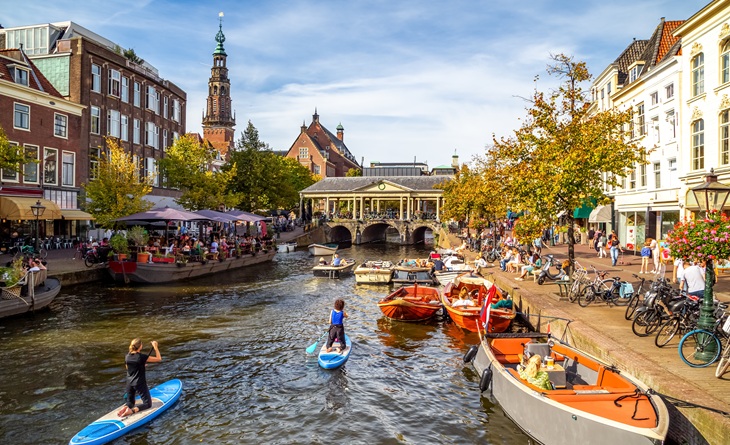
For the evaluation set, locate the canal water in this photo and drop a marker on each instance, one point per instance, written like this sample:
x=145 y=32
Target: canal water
x=237 y=342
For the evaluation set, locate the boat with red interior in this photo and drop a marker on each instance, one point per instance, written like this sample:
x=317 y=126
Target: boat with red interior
x=411 y=303
x=588 y=402
x=473 y=290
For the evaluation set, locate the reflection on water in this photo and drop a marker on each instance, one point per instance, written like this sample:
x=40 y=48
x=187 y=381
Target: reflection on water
x=237 y=342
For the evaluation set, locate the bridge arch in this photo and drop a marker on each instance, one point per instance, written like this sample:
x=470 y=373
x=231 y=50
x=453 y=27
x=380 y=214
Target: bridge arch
x=341 y=234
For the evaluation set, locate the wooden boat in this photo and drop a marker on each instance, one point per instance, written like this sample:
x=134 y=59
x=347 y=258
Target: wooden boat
x=330 y=271
x=479 y=289
x=374 y=272
x=333 y=360
x=411 y=303
x=409 y=271
x=20 y=299
x=156 y=273
x=286 y=247
x=593 y=403
x=110 y=426
x=323 y=249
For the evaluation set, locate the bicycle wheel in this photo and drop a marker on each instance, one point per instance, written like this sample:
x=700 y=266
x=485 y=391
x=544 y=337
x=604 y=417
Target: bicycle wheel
x=42 y=253
x=666 y=332
x=89 y=260
x=724 y=361
x=653 y=323
x=607 y=291
x=586 y=296
x=696 y=348
x=638 y=326
x=575 y=291
x=631 y=306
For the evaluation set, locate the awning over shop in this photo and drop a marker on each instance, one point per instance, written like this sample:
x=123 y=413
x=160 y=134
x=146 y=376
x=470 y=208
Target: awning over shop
x=600 y=214
x=76 y=215
x=16 y=207
x=585 y=210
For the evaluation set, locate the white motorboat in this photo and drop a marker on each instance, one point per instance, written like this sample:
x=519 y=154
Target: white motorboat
x=374 y=272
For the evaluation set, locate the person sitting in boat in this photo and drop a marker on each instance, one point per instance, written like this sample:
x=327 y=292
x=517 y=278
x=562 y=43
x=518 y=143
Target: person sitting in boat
x=336 y=260
x=479 y=264
x=322 y=262
x=463 y=299
x=532 y=373
x=438 y=265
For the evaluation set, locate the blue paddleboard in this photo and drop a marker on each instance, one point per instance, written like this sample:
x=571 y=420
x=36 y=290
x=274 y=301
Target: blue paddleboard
x=332 y=360
x=111 y=426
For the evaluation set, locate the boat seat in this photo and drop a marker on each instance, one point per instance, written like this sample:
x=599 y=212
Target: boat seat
x=558 y=392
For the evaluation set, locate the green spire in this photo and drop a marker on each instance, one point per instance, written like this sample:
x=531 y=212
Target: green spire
x=220 y=38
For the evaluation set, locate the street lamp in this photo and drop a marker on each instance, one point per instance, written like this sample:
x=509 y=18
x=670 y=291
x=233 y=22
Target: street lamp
x=711 y=196
x=37 y=210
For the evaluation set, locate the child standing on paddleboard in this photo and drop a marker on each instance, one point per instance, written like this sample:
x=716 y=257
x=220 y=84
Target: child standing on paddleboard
x=337 y=328
x=135 y=362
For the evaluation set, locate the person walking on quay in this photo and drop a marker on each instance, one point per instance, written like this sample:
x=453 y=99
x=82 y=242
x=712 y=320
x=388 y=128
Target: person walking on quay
x=694 y=280
x=591 y=238
x=135 y=362
x=615 y=248
x=645 y=257
x=601 y=245
x=654 y=246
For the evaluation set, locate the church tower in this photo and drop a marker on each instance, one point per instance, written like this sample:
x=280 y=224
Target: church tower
x=218 y=119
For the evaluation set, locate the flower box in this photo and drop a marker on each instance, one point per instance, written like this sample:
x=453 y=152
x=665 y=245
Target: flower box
x=163 y=259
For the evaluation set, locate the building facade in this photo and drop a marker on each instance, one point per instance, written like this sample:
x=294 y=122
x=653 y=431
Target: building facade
x=123 y=97
x=36 y=117
x=320 y=151
x=219 y=120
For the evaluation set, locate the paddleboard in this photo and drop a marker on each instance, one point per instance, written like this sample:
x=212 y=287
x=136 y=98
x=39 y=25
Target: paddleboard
x=111 y=426
x=332 y=360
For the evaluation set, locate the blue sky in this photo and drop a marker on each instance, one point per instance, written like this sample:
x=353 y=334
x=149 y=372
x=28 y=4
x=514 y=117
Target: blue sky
x=406 y=78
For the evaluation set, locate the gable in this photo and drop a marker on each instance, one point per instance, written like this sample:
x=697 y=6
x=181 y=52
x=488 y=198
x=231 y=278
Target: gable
x=383 y=186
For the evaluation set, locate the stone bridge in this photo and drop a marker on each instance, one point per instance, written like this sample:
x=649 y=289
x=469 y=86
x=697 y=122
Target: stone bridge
x=382 y=230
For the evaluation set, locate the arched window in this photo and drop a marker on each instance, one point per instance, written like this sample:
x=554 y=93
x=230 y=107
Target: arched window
x=698 y=75
x=223 y=91
x=698 y=145
x=725 y=62
x=215 y=90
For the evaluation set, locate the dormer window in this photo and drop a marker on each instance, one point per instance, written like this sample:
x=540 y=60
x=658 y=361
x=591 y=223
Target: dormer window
x=19 y=75
x=635 y=71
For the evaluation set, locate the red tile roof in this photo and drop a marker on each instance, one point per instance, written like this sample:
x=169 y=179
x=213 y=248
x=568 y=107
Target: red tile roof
x=667 y=39
x=14 y=56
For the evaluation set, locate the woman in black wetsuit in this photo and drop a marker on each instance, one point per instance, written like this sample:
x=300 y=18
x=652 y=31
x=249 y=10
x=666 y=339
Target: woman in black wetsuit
x=135 y=362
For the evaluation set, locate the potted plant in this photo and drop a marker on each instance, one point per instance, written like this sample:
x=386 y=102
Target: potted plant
x=181 y=260
x=120 y=246
x=139 y=237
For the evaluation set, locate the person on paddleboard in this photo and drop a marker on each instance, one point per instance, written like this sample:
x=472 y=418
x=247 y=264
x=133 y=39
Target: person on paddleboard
x=135 y=362
x=337 y=328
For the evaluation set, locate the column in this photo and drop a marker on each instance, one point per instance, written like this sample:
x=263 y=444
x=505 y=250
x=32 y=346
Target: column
x=438 y=209
x=401 y=207
x=327 y=207
x=378 y=202
x=362 y=207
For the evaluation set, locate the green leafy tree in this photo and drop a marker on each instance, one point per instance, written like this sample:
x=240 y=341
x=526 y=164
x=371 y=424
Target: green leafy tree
x=132 y=56
x=186 y=167
x=353 y=172
x=12 y=157
x=564 y=155
x=118 y=188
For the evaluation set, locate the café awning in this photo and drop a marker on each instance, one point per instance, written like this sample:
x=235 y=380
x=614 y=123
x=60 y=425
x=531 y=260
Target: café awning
x=76 y=215
x=19 y=207
x=600 y=214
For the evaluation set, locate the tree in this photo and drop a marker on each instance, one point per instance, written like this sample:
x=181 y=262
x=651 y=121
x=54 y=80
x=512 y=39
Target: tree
x=563 y=155
x=12 y=157
x=353 y=172
x=263 y=179
x=132 y=56
x=186 y=167
x=118 y=188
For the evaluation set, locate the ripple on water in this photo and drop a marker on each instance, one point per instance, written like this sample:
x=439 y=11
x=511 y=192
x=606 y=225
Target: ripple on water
x=238 y=341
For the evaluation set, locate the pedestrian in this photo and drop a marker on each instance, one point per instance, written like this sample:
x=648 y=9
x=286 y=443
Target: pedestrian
x=654 y=246
x=678 y=271
x=591 y=238
x=337 y=327
x=615 y=248
x=645 y=256
x=135 y=362
x=597 y=237
x=694 y=280
x=602 y=248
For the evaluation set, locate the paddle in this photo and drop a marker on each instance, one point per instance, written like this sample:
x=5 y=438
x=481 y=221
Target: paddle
x=313 y=347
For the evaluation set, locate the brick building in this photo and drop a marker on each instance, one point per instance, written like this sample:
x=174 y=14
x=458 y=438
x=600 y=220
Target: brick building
x=35 y=116
x=322 y=152
x=123 y=97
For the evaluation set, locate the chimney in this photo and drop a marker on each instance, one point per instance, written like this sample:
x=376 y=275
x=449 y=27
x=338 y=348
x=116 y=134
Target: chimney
x=341 y=132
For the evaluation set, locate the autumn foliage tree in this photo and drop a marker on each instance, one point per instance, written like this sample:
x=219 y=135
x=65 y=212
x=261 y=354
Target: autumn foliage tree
x=564 y=155
x=12 y=157
x=118 y=188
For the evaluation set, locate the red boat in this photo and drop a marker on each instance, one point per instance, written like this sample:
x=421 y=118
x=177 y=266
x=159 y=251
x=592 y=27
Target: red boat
x=411 y=303
x=477 y=289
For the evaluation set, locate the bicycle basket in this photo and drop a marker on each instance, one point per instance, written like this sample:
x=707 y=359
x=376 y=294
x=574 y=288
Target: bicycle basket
x=626 y=290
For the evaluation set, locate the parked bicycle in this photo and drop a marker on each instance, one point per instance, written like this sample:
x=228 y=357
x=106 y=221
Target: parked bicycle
x=636 y=298
x=701 y=348
x=725 y=357
x=580 y=280
x=684 y=315
x=609 y=290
